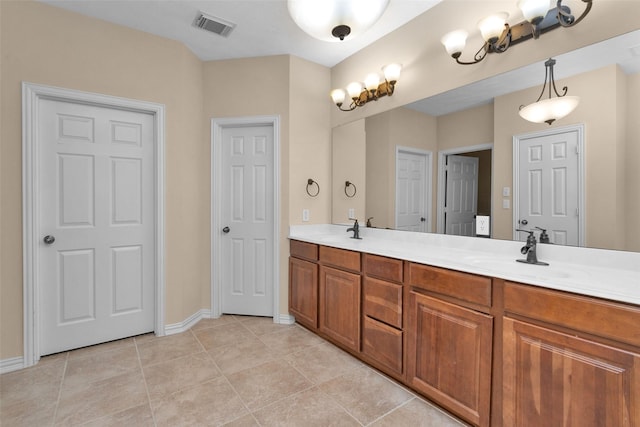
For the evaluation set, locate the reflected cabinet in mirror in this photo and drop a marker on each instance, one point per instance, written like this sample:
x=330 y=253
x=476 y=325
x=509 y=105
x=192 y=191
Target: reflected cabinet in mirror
x=465 y=163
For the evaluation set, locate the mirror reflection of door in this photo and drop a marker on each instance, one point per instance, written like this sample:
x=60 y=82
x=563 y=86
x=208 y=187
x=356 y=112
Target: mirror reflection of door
x=461 y=197
x=413 y=190
x=547 y=185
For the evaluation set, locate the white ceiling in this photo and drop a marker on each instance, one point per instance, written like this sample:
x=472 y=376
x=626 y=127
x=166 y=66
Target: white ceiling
x=263 y=27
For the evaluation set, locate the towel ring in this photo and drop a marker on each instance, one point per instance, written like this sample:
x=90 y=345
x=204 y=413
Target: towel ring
x=348 y=184
x=311 y=182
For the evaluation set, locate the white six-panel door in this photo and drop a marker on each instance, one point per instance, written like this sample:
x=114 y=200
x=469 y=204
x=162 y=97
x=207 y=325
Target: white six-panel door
x=461 y=195
x=247 y=259
x=547 y=185
x=96 y=269
x=412 y=191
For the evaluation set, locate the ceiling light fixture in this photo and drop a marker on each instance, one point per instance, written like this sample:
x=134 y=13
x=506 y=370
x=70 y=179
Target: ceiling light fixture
x=550 y=109
x=335 y=20
x=498 y=35
x=371 y=90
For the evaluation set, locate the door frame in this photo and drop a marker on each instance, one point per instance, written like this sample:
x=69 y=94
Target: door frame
x=428 y=175
x=442 y=160
x=217 y=126
x=32 y=94
x=582 y=212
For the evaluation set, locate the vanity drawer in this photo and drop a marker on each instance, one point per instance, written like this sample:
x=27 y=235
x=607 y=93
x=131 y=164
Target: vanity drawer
x=303 y=250
x=382 y=267
x=382 y=301
x=340 y=258
x=462 y=286
x=603 y=318
x=383 y=344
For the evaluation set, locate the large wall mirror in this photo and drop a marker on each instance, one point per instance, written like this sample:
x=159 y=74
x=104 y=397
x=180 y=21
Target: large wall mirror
x=427 y=166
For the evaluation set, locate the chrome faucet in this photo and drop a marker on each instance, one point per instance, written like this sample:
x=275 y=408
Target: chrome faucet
x=529 y=249
x=355 y=229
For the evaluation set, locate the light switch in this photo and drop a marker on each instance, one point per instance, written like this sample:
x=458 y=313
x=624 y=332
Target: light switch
x=305 y=215
x=352 y=213
x=506 y=204
x=506 y=191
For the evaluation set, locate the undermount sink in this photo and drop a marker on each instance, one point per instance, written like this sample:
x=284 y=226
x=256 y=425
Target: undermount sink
x=511 y=266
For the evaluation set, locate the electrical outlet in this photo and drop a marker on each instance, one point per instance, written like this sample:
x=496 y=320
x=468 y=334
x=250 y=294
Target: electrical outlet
x=352 y=213
x=506 y=204
x=305 y=215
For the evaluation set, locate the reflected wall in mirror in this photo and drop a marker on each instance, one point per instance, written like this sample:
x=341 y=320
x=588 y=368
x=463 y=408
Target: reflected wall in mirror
x=610 y=100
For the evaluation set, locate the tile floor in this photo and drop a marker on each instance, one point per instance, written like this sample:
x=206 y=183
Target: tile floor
x=232 y=371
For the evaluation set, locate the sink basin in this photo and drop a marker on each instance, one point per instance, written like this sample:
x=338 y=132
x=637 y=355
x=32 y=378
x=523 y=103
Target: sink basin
x=510 y=266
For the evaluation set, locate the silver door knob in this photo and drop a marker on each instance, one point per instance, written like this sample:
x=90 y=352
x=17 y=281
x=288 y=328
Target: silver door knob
x=49 y=239
x=226 y=230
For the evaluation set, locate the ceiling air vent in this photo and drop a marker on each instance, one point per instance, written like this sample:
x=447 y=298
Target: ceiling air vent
x=213 y=24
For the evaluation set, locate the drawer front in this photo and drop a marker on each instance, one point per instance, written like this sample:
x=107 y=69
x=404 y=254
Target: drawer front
x=303 y=250
x=598 y=317
x=383 y=301
x=462 y=286
x=383 y=344
x=382 y=267
x=340 y=258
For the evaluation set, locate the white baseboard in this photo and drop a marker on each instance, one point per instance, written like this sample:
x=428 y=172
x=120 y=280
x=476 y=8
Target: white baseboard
x=183 y=326
x=286 y=319
x=12 y=364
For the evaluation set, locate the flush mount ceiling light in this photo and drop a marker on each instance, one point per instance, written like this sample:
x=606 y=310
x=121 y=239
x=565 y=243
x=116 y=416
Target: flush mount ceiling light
x=335 y=20
x=498 y=35
x=371 y=90
x=550 y=109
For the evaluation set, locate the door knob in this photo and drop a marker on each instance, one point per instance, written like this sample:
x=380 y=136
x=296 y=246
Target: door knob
x=423 y=219
x=524 y=222
x=226 y=230
x=49 y=239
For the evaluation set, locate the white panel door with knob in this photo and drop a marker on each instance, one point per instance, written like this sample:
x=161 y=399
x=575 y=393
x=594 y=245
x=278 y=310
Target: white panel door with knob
x=96 y=204
x=247 y=218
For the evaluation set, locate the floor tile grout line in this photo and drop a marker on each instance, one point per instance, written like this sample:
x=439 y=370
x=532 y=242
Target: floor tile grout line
x=64 y=374
x=392 y=410
x=146 y=386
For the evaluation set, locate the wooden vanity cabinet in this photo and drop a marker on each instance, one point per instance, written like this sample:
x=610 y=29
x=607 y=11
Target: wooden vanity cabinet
x=449 y=342
x=339 y=296
x=560 y=361
x=382 y=314
x=303 y=283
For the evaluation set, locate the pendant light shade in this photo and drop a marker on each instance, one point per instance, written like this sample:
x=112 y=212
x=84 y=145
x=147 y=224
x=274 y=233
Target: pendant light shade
x=549 y=110
x=335 y=20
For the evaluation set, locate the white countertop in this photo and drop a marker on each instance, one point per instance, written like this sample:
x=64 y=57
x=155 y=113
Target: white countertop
x=613 y=275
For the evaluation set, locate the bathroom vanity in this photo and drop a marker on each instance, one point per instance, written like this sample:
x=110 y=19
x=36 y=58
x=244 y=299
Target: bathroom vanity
x=495 y=342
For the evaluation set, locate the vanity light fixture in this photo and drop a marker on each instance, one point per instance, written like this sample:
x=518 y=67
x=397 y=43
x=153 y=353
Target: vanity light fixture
x=371 y=90
x=336 y=20
x=550 y=109
x=498 y=35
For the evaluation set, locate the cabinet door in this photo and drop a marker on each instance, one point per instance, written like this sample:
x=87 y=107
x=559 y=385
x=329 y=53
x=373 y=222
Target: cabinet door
x=303 y=291
x=339 y=317
x=449 y=356
x=554 y=379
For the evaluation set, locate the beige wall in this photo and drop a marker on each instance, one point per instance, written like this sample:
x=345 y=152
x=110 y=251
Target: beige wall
x=64 y=49
x=349 y=164
x=632 y=177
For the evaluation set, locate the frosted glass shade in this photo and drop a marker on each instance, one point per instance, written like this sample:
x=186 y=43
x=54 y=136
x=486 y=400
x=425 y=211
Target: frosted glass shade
x=392 y=72
x=338 y=96
x=372 y=81
x=318 y=17
x=492 y=26
x=534 y=9
x=354 y=89
x=455 y=41
x=550 y=109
